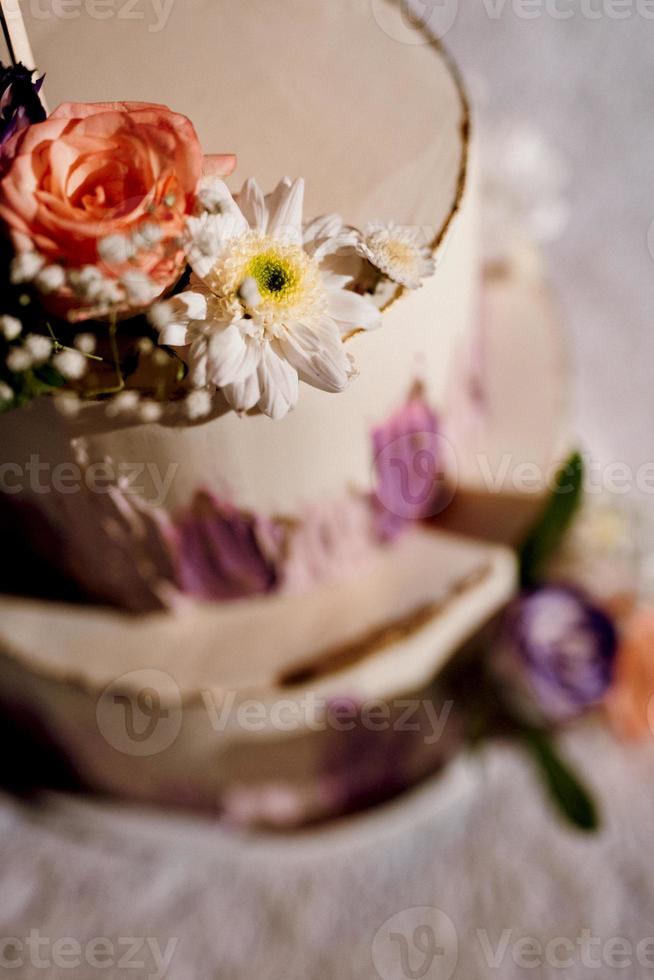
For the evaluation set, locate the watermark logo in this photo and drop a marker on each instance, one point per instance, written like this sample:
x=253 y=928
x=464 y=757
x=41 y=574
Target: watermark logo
x=415 y=475
x=415 y=22
x=140 y=713
x=419 y=943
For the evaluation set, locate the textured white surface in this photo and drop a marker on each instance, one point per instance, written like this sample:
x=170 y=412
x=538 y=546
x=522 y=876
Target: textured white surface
x=502 y=861
x=495 y=858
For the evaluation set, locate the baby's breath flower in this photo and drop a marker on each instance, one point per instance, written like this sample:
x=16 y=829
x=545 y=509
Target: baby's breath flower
x=160 y=358
x=67 y=404
x=71 y=364
x=198 y=404
x=139 y=288
x=10 y=327
x=145 y=345
x=6 y=394
x=211 y=195
x=39 y=347
x=25 y=266
x=147 y=236
x=149 y=411
x=19 y=359
x=85 y=342
x=50 y=279
x=123 y=404
x=116 y=249
x=160 y=315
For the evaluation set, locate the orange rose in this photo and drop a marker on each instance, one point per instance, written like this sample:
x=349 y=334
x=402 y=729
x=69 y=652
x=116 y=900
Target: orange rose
x=630 y=702
x=103 y=191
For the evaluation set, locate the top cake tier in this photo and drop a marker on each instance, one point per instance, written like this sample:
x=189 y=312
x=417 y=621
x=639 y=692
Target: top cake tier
x=371 y=113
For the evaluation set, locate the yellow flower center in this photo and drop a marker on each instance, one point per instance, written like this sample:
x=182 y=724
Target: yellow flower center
x=275 y=274
x=288 y=280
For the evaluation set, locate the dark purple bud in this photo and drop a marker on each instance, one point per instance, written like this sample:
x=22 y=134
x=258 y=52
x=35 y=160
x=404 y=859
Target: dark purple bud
x=20 y=103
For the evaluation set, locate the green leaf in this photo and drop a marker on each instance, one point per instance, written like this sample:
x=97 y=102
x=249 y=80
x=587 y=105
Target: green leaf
x=569 y=794
x=550 y=529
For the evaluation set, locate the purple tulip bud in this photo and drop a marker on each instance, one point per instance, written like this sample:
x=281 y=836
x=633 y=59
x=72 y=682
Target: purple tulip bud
x=564 y=648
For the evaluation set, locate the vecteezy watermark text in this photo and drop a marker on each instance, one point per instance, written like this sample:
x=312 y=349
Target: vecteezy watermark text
x=154 y=13
x=142 y=954
x=41 y=477
x=141 y=714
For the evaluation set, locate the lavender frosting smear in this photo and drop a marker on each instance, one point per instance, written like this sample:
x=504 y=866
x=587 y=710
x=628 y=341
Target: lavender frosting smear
x=221 y=552
x=114 y=548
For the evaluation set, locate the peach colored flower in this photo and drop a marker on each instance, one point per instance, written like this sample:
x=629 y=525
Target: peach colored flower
x=125 y=173
x=630 y=701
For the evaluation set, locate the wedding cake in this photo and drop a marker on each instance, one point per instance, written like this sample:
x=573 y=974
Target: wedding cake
x=236 y=478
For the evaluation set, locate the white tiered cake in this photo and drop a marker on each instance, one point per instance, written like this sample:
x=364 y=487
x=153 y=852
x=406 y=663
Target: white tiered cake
x=268 y=558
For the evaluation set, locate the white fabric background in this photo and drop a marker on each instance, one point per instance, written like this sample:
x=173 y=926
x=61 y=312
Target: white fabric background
x=497 y=857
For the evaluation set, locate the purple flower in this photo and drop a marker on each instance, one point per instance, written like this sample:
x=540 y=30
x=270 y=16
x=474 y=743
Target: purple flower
x=20 y=104
x=566 y=648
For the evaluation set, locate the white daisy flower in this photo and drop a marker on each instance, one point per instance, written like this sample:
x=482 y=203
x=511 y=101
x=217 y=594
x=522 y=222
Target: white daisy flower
x=398 y=253
x=262 y=311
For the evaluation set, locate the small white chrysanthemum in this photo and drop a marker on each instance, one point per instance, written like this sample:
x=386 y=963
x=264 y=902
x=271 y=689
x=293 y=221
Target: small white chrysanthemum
x=39 y=347
x=6 y=394
x=25 y=266
x=50 y=279
x=123 y=404
x=19 y=359
x=71 y=364
x=263 y=311
x=149 y=411
x=398 y=253
x=10 y=327
x=85 y=342
x=198 y=404
x=116 y=249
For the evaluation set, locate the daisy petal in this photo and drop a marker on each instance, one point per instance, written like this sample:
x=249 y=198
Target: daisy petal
x=327 y=226
x=197 y=363
x=279 y=384
x=317 y=353
x=253 y=205
x=244 y=394
x=231 y=356
x=181 y=312
x=353 y=312
x=285 y=206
